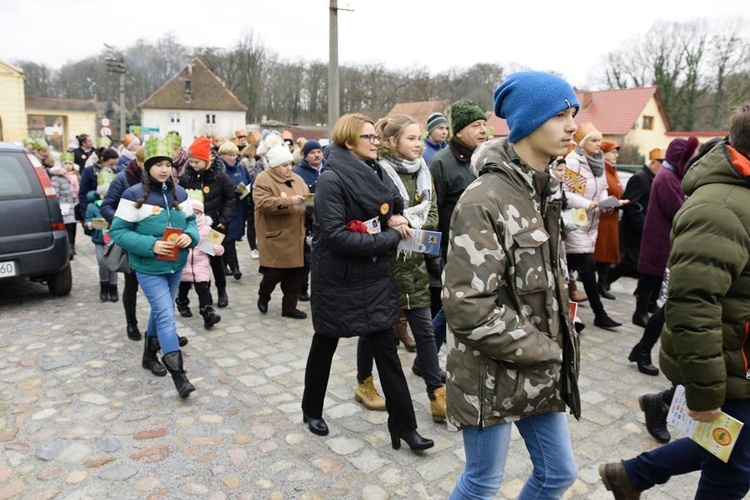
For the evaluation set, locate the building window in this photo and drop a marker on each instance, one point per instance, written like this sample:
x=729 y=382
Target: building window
x=174 y=117
x=211 y=119
x=648 y=122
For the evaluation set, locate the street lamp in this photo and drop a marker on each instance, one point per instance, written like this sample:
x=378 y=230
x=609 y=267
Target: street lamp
x=116 y=64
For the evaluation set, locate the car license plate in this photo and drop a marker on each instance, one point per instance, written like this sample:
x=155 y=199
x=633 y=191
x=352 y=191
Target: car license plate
x=7 y=269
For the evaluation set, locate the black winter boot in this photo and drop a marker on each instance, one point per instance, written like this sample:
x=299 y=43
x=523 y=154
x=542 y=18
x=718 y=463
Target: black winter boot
x=223 y=299
x=173 y=362
x=104 y=291
x=113 y=296
x=133 y=332
x=640 y=316
x=642 y=357
x=150 y=361
x=210 y=318
x=183 y=308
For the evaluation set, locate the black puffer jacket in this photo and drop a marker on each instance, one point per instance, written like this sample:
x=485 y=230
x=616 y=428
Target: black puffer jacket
x=355 y=293
x=218 y=193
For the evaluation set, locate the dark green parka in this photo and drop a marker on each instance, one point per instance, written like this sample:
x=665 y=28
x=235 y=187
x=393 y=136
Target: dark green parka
x=705 y=339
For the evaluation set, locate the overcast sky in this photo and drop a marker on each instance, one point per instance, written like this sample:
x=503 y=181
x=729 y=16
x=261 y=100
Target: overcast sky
x=570 y=37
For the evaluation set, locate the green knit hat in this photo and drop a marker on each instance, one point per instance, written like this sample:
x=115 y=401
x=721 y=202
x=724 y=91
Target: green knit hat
x=464 y=112
x=156 y=151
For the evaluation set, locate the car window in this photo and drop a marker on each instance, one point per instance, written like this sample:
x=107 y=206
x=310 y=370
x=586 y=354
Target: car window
x=14 y=178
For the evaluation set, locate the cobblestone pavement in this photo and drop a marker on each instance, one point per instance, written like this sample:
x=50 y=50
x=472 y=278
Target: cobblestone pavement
x=80 y=418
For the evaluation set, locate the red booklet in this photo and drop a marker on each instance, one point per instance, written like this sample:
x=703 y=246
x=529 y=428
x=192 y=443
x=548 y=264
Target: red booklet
x=171 y=234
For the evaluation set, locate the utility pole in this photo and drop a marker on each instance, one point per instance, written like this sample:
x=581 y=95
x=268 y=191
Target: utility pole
x=333 y=64
x=116 y=64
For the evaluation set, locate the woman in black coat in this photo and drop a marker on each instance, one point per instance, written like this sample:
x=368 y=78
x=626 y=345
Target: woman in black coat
x=355 y=294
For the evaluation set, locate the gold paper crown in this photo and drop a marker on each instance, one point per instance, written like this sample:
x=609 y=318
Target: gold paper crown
x=103 y=141
x=105 y=177
x=39 y=143
x=157 y=148
x=66 y=157
x=195 y=194
x=174 y=139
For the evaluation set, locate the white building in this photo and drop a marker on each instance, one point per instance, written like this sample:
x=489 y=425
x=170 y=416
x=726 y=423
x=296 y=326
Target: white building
x=195 y=102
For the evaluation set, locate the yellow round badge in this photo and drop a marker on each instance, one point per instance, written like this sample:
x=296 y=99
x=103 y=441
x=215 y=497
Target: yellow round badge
x=283 y=194
x=156 y=210
x=206 y=189
x=384 y=208
x=722 y=436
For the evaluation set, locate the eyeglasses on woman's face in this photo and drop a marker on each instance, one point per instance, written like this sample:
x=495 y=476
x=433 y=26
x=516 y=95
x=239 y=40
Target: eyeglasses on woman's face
x=373 y=138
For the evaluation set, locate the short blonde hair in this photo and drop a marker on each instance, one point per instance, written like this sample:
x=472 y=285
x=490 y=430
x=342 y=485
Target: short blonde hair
x=347 y=128
x=229 y=148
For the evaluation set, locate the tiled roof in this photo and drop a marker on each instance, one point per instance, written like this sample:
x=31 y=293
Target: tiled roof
x=613 y=112
x=419 y=110
x=61 y=104
x=194 y=87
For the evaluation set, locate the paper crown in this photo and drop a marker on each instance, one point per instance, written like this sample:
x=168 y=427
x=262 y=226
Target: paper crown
x=103 y=141
x=105 y=177
x=174 y=139
x=66 y=157
x=656 y=154
x=195 y=194
x=158 y=148
x=39 y=143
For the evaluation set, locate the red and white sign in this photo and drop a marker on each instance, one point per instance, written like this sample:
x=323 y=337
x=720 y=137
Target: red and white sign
x=105 y=131
x=105 y=122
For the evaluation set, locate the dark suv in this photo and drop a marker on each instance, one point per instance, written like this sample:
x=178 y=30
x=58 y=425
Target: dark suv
x=33 y=240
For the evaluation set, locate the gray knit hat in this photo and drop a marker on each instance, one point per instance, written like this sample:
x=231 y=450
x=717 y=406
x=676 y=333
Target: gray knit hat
x=464 y=112
x=434 y=120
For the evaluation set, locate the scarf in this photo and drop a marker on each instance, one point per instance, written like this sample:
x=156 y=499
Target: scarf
x=596 y=163
x=417 y=214
x=460 y=150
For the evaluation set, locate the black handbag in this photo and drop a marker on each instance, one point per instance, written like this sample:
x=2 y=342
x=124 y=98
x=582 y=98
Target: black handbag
x=116 y=258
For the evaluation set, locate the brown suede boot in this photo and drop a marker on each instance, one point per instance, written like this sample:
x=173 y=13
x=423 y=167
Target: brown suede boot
x=616 y=480
x=400 y=330
x=575 y=295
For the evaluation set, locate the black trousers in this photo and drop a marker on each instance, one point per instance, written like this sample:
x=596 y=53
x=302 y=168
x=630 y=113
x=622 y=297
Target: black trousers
x=250 y=231
x=70 y=227
x=290 y=279
x=129 y=294
x=647 y=291
x=306 y=268
x=230 y=256
x=652 y=332
x=202 y=289
x=217 y=267
x=397 y=398
x=586 y=267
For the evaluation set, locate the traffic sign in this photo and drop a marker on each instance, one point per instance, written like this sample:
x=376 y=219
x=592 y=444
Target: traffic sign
x=105 y=131
x=105 y=122
x=138 y=130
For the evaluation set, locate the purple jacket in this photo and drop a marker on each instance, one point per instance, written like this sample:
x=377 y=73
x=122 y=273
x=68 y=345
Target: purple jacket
x=665 y=200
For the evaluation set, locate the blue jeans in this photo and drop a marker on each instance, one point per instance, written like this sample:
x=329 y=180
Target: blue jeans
x=438 y=326
x=160 y=290
x=547 y=440
x=718 y=480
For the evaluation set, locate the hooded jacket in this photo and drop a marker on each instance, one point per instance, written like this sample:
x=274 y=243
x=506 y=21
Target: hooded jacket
x=218 y=192
x=198 y=267
x=350 y=271
x=705 y=344
x=513 y=351
x=137 y=230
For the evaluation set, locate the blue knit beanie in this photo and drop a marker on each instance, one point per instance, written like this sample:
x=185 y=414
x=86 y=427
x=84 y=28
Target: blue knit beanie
x=310 y=146
x=530 y=98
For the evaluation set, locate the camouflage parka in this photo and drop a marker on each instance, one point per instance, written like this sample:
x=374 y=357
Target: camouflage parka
x=512 y=349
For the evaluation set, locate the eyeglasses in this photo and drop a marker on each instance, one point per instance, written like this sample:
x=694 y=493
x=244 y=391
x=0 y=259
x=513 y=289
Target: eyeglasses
x=373 y=138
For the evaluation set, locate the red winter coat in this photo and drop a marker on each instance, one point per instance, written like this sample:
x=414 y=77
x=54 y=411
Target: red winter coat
x=608 y=240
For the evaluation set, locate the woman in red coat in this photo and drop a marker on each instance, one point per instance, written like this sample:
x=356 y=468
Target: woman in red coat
x=607 y=250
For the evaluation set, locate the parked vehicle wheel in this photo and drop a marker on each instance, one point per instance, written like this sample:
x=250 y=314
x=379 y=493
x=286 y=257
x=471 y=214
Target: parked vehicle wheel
x=61 y=282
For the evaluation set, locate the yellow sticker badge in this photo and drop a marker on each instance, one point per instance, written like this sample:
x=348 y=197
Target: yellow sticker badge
x=384 y=208
x=575 y=181
x=206 y=189
x=156 y=210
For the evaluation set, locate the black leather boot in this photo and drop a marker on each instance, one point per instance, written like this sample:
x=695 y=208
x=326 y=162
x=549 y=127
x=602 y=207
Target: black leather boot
x=210 y=318
x=113 y=295
x=104 y=291
x=223 y=299
x=642 y=357
x=640 y=316
x=655 y=412
x=150 y=361
x=183 y=308
x=134 y=333
x=173 y=362
x=413 y=439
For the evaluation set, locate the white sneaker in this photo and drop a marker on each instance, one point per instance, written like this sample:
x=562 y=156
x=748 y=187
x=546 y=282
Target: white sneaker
x=254 y=254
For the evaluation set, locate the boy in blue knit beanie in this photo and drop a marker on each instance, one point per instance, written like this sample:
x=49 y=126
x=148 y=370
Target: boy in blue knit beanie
x=506 y=300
